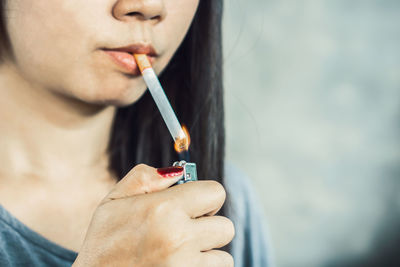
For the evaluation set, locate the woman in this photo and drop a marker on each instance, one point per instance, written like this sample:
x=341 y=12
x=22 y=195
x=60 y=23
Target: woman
x=76 y=134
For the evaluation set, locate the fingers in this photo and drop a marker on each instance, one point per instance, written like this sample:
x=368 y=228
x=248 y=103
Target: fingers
x=201 y=197
x=213 y=232
x=143 y=179
x=196 y=199
x=216 y=258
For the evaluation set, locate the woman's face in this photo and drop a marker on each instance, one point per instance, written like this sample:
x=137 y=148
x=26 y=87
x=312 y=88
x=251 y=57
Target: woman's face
x=59 y=45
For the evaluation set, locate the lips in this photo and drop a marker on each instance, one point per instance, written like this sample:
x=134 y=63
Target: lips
x=123 y=56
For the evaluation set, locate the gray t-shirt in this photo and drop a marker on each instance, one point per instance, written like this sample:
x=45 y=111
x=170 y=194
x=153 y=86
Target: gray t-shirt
x=21 y=246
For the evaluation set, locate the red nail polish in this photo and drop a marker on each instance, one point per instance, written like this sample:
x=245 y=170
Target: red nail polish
x=170 y=172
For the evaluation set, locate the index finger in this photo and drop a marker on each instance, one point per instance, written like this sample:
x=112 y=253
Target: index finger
x=200 y=197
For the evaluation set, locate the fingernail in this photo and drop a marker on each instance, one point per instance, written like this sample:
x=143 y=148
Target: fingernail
x=170 y=172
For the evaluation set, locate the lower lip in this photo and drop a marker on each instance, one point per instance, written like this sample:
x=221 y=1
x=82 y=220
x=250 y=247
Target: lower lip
x=126 y=60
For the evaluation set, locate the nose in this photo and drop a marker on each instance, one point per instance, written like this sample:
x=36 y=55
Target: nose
x=126 y=10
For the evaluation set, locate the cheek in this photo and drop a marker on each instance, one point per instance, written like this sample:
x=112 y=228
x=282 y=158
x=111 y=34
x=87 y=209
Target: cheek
x=52 y=48
x=173 y=30
x=103 y=85
x=42 y=37
x=180 y=14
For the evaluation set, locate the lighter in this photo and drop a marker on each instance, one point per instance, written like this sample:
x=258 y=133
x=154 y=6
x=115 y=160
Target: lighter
x=189 y=171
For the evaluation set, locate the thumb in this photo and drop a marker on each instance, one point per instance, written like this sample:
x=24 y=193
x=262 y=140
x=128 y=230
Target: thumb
x=143 y=179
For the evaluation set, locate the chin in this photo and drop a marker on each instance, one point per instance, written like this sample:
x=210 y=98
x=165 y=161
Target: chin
x=120 y=100
x=113 y=93
x=114 y=98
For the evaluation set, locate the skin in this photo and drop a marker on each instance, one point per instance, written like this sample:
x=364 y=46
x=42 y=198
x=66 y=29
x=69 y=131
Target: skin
x=58 y=76
x=59 y=94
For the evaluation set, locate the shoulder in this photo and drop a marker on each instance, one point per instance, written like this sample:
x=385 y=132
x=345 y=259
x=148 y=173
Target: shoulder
x=250 y=245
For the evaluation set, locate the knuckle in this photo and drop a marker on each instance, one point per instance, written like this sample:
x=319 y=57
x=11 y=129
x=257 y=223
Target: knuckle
x=142 y=185
x=142 y=178
x=159 y=209
x=164 y=221
x=173 y=239
x=218 y=189
x=140 y=168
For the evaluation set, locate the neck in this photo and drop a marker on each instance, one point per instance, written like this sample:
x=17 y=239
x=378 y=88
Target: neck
x=49 y=135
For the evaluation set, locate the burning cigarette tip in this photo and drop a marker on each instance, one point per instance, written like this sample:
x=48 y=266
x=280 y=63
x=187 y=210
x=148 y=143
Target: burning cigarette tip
x=182 y=144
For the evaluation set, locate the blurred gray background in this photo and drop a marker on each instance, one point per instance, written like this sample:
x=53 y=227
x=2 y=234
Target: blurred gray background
x=313 y=103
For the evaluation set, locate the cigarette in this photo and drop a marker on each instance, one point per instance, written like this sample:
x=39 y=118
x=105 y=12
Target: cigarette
x=158 y=94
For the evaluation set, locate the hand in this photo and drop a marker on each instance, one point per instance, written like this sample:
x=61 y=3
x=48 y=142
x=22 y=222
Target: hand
x=143 y=222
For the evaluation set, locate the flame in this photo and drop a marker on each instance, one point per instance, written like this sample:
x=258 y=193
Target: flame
x=182 y=144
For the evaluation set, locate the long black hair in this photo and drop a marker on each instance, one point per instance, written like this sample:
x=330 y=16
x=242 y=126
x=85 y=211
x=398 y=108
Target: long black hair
x=193 y=83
